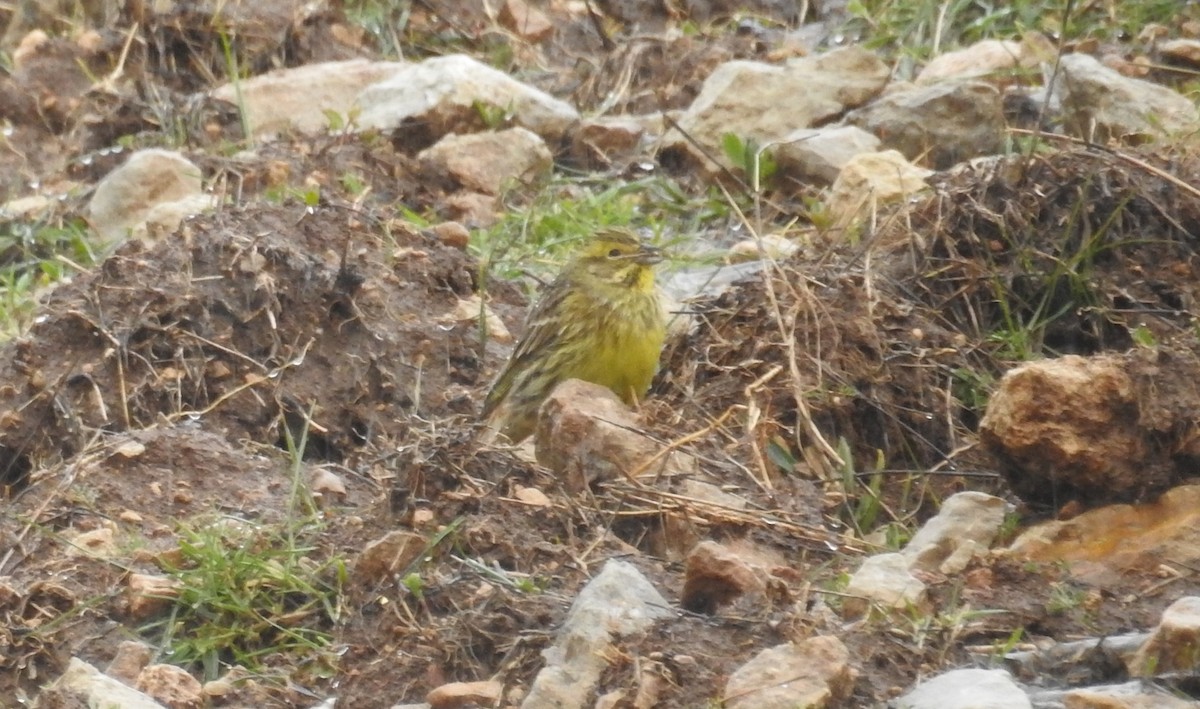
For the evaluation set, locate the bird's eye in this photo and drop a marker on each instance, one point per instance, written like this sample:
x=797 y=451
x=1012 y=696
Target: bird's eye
x=614 y=253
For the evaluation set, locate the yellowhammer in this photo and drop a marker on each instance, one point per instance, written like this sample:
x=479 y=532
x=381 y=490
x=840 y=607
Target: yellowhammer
x=600 y=321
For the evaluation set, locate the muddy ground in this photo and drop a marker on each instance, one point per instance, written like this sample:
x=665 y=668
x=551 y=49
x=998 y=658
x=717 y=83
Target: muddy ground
x=167 y=385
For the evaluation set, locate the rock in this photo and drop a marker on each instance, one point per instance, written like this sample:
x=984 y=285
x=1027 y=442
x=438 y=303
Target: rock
x=387 y=556
x=1109 y=543
x=131 y=658
x=617 y=603
x=154 y=189
x=150 y=595
x=530 y=23
x=82 y=685
x=943 y=124
x=1130 y=695
x=488 y=162
x=465 y=694
x=1077 y=658
x=812 y=673
x=985 y=57
x=1068 y=427
x=1182 y=51
x=443 y=95
x=99 y=543
x=883 y=580
x=613 y=140
x=870 y=180
x=817 y=155
x=966 y=689
x=766 y=102
x=468 y=311
x=452 y=234
x=586 y=434
x=965 y=527
x=478 y=211
x=172 y=686
x=1174 y=646
x=300 y=99
x=1102 y=105
x=715 y=575
x=770 y=246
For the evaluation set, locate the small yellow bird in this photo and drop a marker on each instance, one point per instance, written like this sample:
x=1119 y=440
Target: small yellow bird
x=601 y=320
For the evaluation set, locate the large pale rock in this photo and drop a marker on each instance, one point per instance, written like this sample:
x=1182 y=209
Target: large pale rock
x=1112 y=542
x=987 y=57
x=301 y=98
x=883 y=580
x=812 y=673
x=1174 y=646
x=871 y=180
x=1069 y=427
x=966 y=689
x=943 y=124
x=617 y=603
x=963 y=528
x=443 y=95
x=817 y=155
x=587 y=435
x=154 y=189
x=766 y=102
x=1102 y=105
x=488 y=162
x=82 y=685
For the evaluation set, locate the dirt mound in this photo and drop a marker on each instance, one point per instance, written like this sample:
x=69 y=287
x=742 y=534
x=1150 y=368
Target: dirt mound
x=246 y=322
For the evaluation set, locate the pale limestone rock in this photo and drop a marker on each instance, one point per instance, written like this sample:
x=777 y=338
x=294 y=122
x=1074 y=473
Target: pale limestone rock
x=883 y=580
x=766 y=102
x=485 y=693
x=964 y=527
x=443 y=93
x=985 y=57
x=301 y=98
x=586 y=434
x=1184 y=51
x=817 y=155
x=871 y=180
x=488 y=162
x=966 y=689
x=617 y=603
x=1102 y=105
x=83 y=685
x=812 y=673
x=942 y=125
x=1174 y=646
x=769 y=246
x=153 y=189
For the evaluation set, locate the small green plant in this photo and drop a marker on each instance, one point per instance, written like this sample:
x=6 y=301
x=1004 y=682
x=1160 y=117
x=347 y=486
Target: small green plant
x=1063 y=598
x=247 y=591
x=494 y=117
x=757 y=163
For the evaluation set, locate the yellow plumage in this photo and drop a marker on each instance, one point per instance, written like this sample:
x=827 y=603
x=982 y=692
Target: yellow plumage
x=601 y=321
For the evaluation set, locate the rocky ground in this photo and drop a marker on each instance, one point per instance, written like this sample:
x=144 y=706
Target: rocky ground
x=924 y=433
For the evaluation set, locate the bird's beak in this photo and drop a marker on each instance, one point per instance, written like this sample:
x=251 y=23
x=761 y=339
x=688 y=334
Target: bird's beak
x=648 y=255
